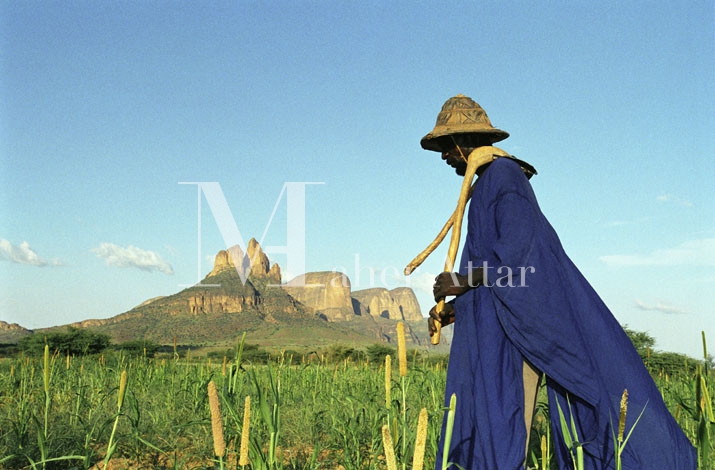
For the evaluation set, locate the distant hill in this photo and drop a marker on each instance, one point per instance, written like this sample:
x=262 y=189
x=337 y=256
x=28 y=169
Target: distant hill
x=12 y=332
x=244 y=292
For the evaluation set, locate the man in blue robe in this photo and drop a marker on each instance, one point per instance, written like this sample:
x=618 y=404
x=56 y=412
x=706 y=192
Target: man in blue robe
x=523 y=309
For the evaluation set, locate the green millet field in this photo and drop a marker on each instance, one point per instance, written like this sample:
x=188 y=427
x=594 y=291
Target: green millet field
x=336 y=409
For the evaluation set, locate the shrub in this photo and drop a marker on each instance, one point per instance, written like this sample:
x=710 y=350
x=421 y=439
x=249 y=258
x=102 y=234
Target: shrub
x=376 y=353
x=73 y=341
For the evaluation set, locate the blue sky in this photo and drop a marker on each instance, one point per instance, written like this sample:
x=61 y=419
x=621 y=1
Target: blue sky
x=105 y=107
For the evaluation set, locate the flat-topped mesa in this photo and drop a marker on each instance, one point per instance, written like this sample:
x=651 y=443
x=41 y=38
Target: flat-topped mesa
x=254 y=260
x=327 y=292
x=407 y=302
x=396 y=304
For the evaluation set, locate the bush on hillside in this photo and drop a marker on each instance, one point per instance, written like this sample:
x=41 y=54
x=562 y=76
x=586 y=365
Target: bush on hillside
x=73 y=341
x=376 y=353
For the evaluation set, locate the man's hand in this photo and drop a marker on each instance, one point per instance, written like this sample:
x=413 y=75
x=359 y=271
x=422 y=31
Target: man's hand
x=449 y=284
x=446 y=317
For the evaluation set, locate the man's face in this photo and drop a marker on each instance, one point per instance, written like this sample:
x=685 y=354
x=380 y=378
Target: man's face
x=456 y=149
x=457 y=159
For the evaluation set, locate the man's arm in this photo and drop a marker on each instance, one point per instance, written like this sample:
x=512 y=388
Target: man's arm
x=451 y=284
x=444 y=318
x=446 y=284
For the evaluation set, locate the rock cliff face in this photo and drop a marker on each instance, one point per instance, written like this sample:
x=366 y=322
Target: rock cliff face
x=396 y=304
x=327 y=292
x=407 y=303
x=205 y=302
x=375 y=302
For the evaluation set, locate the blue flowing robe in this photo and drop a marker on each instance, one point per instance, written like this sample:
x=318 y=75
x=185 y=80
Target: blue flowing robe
x=546 y=312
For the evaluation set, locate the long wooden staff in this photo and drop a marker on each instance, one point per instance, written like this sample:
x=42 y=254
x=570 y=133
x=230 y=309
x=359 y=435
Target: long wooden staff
x=419 y=259
x=477 y=158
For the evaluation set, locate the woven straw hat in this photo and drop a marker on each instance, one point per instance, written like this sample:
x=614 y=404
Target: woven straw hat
x=461 y=115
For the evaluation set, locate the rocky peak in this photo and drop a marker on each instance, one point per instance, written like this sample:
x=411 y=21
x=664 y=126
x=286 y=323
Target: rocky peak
x=258 y=259
x=275 y=273
x=224 y=259
x=254 y=260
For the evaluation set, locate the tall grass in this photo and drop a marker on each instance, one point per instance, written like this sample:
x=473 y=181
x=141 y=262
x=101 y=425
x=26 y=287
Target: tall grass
x=216 y=423
x=155 y=412
x=245 y=433
x=112 y=445
x=620 y=438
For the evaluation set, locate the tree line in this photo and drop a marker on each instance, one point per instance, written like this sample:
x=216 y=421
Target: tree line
x=80 y=342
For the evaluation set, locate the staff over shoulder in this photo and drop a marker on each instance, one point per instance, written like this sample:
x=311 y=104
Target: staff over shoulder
x=464 y=135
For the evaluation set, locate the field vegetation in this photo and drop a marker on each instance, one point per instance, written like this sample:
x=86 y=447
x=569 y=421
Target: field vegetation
x=86 y=405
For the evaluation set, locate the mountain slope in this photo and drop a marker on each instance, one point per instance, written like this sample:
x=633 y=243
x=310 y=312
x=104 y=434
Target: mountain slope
x=243 y=292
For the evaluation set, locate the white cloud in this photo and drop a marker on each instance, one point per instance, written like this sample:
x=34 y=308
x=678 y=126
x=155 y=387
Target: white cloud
x=669 y=198
x=659 y=306
x=23 y=254
x=621 y=223
x=421 y=281
x=690 y=253
x=132 y=257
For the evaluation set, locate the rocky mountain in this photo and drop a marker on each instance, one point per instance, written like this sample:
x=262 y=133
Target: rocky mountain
x=396 y=304
x=245 y=292
x=329 y=295
x=326 y=293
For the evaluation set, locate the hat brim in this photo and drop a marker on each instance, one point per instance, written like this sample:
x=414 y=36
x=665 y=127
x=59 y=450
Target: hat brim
x=432 y=140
